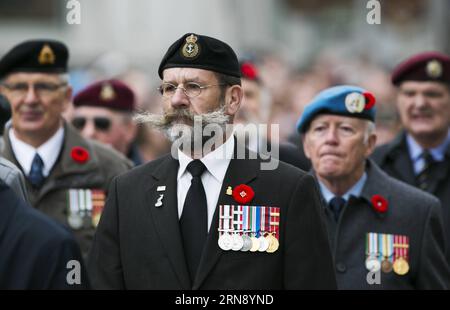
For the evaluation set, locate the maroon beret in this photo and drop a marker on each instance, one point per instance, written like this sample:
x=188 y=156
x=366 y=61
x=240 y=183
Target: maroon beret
x=427 y=66
x=112 y=94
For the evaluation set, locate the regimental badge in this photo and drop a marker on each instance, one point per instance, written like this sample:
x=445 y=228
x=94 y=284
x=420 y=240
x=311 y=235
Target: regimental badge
x=190 y=49
x=249 y=228
x=46 y=56
x=107 y=93
x=85 y=207
x=355 y=102
x=387 y=252
x=434 y=69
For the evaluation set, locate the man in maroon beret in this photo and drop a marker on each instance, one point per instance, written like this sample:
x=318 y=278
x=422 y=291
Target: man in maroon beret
x=420 y=155
x=103 y=112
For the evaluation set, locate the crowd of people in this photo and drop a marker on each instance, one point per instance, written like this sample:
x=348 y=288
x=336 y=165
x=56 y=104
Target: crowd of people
x=359 y=199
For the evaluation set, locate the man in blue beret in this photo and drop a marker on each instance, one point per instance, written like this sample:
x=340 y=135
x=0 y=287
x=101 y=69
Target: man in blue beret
x=66 y=175
x=420 y=154
x=384 y=233
x=205 y=218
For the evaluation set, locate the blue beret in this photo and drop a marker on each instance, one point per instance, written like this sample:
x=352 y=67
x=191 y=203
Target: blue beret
x=43 y=56
x=202 y=52
x=342 y=100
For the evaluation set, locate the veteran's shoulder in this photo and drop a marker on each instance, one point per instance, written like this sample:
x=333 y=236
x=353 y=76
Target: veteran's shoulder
x=110 y=158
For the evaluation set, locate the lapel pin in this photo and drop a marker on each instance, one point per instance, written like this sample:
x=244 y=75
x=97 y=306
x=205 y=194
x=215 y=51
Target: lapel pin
x=161 y=188
x=159 y=201
x=229 y=191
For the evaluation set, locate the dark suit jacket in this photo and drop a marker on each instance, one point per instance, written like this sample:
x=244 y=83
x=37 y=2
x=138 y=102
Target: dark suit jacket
x=394 y=159
x=139 y=246
x=412 y=213
x=34 y=250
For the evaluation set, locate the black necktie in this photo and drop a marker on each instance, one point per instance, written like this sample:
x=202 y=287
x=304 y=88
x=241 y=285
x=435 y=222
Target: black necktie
x=336 y=204
x=194 y=219
x=423 y=178
x=36 y=176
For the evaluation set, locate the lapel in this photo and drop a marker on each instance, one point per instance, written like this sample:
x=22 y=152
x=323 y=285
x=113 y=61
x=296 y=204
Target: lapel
x=401 y=162
x=440 y=171
x=240 y=171
x=165 y=218
x=376 y=184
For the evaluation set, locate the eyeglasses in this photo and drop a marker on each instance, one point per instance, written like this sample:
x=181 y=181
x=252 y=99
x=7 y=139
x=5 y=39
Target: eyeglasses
x=190 y=89
x=100 y=123
x=19 y=90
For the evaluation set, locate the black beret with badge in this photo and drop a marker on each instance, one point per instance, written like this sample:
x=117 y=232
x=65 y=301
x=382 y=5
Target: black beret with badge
x=44 y=56
x=202 y=52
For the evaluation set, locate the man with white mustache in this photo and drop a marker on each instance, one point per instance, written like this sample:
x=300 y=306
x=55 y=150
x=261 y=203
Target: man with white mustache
x=204 y=218
x=420 y=155
x=384 y=234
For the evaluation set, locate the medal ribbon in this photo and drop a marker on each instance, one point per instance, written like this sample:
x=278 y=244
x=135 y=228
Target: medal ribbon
x=262 y=220
x=274 y=221
x=257 y=220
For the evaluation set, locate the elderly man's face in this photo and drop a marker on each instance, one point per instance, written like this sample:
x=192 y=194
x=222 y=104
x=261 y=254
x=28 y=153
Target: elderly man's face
x=106 y=126
x=37 y=102
x=424 y=108
x=336 y=146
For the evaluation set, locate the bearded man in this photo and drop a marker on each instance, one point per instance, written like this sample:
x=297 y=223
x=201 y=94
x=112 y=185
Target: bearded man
x=206 y=218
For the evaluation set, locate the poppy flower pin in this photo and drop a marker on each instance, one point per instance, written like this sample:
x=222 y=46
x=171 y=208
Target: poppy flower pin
x=370 y=100
x=379 y=203
x=79 y=154
x=243 y=194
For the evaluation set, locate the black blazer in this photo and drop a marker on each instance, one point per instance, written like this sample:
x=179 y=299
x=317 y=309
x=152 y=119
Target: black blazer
x=34 y=250
x=139 y=246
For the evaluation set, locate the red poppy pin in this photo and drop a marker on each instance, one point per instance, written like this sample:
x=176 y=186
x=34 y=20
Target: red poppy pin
x=370 y=100
x=249 y=71
x=243 y=193
x=79 y=154
x=379 y=203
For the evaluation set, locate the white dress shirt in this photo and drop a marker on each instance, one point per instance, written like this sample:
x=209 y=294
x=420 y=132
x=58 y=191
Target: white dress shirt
x=216 y=164
x=49 y=151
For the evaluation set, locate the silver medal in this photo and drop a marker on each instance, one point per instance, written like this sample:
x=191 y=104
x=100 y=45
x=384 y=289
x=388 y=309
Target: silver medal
x=225 y=242
x=373 y=264
x=75 y=221
x=247 y=243
x=238 y=242
x=263 y=244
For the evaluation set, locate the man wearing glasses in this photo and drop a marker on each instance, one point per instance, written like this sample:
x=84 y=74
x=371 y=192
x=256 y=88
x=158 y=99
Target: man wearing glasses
x=66 y=175
x=206 y=218
x=103 y=112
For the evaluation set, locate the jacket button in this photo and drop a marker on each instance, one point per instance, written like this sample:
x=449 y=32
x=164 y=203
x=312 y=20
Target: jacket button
x=341 y=267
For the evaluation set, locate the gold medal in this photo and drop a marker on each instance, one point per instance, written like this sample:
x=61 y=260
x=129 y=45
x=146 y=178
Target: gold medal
x=255 y=244
x=274 y=244
x=401 y=266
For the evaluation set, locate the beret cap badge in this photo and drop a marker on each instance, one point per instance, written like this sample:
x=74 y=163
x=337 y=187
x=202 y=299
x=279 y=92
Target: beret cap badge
x=190 y=48
x=355 y=102
x=46 y=55
x=107 y=93
x=434 y=69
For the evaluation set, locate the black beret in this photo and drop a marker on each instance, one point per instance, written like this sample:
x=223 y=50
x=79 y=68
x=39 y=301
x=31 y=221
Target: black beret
x=202 y=52
x=46 y=56
x=427 y=66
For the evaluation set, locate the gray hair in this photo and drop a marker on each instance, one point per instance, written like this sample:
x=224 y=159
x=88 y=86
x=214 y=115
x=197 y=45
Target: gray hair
x=370 y=129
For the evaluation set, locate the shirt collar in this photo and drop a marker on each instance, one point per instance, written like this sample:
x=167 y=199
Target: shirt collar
x=415 y=150
x=355 y=190
x=49 y=151
x=216 y=162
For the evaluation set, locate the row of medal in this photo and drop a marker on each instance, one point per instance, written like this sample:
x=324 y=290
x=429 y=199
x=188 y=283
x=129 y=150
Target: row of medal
x=249 y=228
x=85 y=207
x=387 y=252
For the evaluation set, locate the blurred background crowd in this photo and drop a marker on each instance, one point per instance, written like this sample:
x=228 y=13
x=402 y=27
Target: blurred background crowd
x=298 y=47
